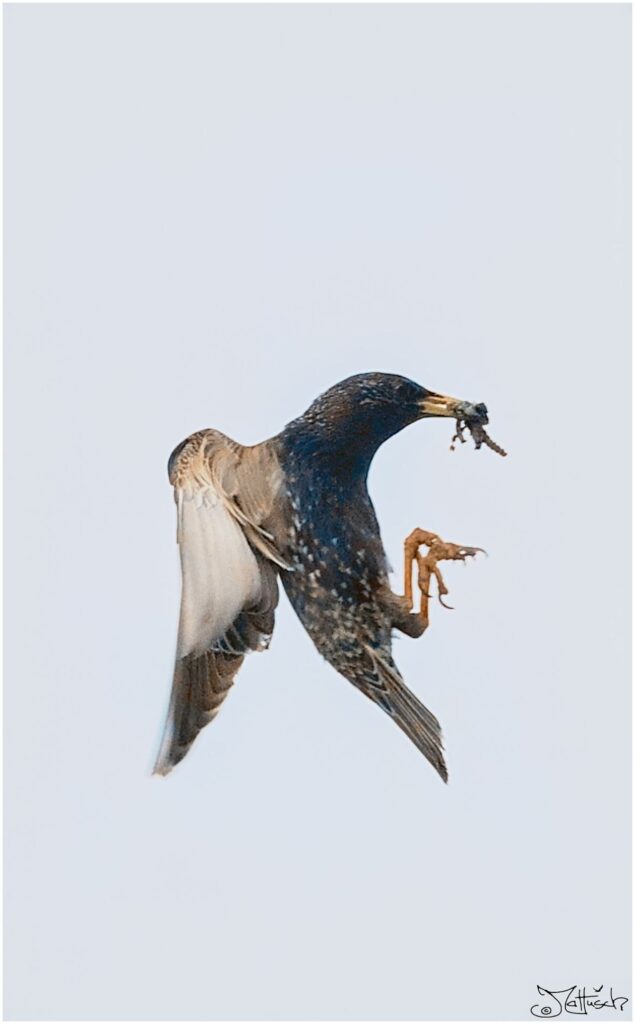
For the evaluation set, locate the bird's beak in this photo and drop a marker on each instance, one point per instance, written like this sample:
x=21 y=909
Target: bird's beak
x=441 y=405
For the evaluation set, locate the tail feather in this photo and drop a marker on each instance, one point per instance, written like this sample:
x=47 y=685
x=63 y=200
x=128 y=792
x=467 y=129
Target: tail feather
x=412 y=717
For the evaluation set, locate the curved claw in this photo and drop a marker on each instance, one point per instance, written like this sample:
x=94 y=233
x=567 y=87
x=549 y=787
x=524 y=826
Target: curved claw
x=472 y=552
x=448 y=606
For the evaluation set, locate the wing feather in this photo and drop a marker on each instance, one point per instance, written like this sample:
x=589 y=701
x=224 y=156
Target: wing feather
x=248 y=480
x=220 y=574
x=229 y=581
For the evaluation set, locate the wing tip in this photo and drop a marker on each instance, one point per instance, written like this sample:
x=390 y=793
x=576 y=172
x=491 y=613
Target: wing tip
x=165 y=760
x=162 y=768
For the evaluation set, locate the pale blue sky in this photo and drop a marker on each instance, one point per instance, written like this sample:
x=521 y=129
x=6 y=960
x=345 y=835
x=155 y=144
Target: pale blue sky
x=212 y=214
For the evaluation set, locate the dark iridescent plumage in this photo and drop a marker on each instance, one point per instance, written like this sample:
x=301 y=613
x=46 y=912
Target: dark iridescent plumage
x=339 y=585
x=296 y=506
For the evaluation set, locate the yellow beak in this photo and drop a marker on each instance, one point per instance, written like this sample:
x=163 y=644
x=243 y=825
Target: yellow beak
x=441 y=405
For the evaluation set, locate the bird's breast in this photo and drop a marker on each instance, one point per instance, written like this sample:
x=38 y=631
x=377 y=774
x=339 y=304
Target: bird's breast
x=338 y=566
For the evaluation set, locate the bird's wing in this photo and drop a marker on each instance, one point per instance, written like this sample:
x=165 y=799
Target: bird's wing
x=223 y=494
x=248 y=481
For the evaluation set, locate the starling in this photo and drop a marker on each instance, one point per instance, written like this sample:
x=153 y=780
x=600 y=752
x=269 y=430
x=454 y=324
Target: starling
x=297 y=508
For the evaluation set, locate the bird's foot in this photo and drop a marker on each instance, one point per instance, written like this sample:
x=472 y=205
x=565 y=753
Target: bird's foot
x=427 y=567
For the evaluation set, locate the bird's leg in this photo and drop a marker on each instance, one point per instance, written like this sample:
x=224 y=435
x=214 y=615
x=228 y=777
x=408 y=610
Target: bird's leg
x=410 y=549
x=427 y=567
x=424 y=575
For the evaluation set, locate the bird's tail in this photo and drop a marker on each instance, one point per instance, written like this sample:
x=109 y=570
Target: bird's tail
x=413 y=717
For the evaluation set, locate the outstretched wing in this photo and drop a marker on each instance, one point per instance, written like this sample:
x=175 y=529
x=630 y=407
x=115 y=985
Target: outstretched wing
x=224 y=493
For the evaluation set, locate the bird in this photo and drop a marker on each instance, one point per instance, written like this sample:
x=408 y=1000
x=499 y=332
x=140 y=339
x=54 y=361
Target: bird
x=295 y=510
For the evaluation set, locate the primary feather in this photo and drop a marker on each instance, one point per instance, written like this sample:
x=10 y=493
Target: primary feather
x=229 y=589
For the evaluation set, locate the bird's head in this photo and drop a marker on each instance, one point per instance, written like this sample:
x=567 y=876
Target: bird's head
x=356 y=416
